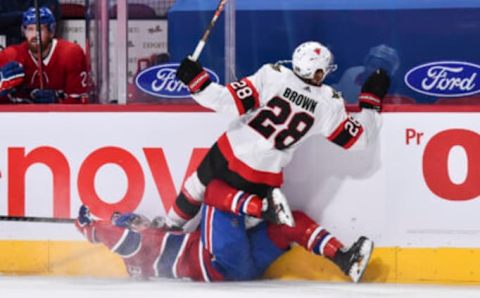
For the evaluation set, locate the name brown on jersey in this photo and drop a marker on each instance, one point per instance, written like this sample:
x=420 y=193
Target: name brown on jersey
x=300 y=100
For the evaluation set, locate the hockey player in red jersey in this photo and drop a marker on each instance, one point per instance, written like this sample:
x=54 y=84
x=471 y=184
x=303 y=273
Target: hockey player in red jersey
x=64 y=73
x=224 y=247
x=276 y=110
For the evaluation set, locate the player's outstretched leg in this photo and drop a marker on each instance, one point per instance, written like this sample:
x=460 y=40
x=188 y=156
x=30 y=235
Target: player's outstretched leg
x=354 y=260
x=317 y=240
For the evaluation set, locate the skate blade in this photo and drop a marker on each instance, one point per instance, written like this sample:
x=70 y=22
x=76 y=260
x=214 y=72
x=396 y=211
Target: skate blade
x=358 y=269
x=285 y=216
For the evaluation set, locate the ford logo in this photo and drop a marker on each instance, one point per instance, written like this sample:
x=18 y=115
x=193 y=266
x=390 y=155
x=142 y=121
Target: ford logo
x=160 y=81
x=445 y=78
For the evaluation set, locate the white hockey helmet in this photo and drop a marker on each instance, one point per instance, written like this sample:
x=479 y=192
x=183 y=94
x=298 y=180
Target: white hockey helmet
x=311 y=56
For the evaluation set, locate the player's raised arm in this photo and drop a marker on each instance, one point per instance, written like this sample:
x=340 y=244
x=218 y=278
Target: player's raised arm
x=358 y=130
x=374 y=90
x=236 y=98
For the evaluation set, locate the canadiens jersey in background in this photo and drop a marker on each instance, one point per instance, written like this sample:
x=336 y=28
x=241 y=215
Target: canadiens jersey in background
x=277 y=112
x=64 y=69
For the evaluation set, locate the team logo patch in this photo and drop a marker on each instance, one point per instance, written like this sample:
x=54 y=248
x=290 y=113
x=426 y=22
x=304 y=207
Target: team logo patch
x=336 y=94
x=445 y=78
x=160 y=81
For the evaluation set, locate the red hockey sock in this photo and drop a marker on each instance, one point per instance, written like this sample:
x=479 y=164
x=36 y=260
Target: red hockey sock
x=321 y=242
x=306 y=233
x=226 y=198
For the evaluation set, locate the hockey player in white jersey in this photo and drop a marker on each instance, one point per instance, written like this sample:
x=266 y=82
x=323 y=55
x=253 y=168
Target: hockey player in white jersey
x=276 y=110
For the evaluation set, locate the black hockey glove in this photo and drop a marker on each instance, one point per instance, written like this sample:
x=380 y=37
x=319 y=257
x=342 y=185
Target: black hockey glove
x=374 y=90
x=192 y=74
x=84 y=217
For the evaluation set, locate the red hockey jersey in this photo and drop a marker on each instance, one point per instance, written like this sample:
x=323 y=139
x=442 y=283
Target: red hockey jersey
x=64 y=69
x=155 y=252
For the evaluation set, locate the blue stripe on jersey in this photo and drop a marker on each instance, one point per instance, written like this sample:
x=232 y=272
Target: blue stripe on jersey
x=316 y=247
x=129 y=244
x=169 y=255
x=241 y=203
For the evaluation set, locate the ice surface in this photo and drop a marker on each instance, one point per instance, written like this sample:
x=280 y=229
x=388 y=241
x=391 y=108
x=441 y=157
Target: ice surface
x=55 y=287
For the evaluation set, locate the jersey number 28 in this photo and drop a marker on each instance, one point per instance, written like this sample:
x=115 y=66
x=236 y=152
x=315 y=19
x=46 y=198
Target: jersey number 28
x=277 y=111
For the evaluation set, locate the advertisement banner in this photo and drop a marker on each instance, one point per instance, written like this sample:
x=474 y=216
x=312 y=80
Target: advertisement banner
x=416 y=186
x=52 y=162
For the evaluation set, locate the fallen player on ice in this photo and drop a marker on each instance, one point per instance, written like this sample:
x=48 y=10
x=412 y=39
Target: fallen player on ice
x=227 y=245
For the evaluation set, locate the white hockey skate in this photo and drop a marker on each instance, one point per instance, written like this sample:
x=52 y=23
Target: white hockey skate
x=354 y=261
x=277 y=209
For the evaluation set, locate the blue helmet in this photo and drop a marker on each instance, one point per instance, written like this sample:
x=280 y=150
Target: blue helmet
x=46 y=17
x=383 y=56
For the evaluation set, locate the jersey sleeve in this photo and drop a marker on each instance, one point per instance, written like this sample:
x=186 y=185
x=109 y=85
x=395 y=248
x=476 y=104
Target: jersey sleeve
x=235 y=98
x=352 y=131
x=8 y=55
x=371 y=122
x=119 y=240
x=77 y=76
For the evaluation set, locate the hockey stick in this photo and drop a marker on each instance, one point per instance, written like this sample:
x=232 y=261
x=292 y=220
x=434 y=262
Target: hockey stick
x=203 y=40
x=36 y=219
x=40 y=46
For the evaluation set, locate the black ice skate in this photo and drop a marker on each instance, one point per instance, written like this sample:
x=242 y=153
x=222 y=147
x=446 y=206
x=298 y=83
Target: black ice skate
x=277 y=210
x=354 y=261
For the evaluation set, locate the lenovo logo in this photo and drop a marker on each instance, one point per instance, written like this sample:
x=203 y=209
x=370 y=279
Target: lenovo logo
x=19 y=161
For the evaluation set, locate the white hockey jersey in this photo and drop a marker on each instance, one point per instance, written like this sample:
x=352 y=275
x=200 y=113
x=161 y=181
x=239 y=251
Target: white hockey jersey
x=277 y=112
